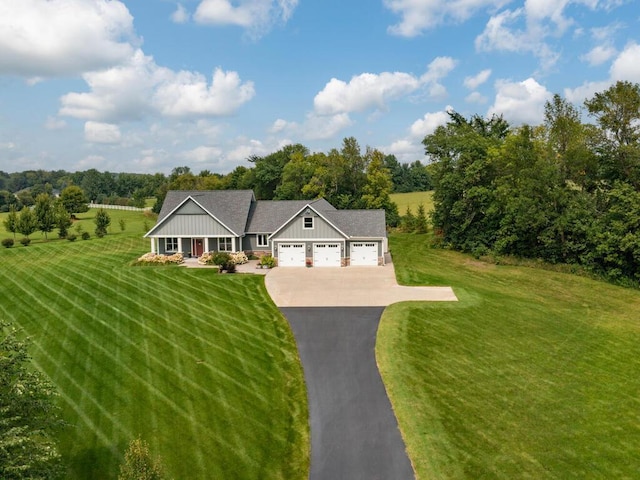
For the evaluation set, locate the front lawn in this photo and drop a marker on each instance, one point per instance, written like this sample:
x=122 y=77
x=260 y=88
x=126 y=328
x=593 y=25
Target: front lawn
x=532 y=374
x=202 y=366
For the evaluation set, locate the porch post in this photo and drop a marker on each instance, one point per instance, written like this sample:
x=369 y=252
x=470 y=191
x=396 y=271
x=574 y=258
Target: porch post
x=153 y=245
x=179 y=245
x=206 y=244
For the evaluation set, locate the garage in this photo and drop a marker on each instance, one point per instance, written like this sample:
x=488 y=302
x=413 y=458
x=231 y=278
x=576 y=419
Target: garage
x=291 y=255
x=326 y=255
x=364 y=254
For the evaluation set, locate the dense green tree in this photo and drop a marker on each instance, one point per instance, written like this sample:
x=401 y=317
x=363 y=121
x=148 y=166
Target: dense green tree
x=11 y=221
x=408 y=221
x=102 y=221
x=74 y=200
x=378 y=186
x=139 y=464
x=63 y=219
x=617 y=112
x=296 y=174
x=27 y=222
x=420 y=224
x=268 y=169
x=28 y=417
x=45 y=213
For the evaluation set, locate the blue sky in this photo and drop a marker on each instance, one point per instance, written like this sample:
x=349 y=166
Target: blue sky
x=148 y=85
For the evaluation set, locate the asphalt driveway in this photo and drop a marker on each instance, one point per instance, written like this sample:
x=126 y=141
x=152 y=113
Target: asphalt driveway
x=354 y=433
x=345 y=287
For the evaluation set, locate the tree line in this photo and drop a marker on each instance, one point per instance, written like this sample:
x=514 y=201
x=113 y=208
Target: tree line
x=563 y=191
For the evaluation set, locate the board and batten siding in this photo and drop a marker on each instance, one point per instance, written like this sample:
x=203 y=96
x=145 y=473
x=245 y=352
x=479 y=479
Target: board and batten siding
x=195 y=225
x=321 y=230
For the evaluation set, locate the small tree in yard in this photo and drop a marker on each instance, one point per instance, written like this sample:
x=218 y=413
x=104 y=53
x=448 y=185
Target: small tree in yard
x=45 y=214
x=421 y=220
x=123 y=224
x=11 y=222
x=74 y=200
x=138 y=464
x=63 y=220
x=102 y=221
x=408 y=222
x=29 y=416
x=27 y=222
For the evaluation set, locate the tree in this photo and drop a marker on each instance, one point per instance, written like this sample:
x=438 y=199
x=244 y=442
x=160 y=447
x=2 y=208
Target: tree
x=617 y=112
x=74 y=200
x=29 y=416
x=378 y=186
x=11 y=222
x=27 y=222
x=408 y=221
x=45 y=214
x=102 y=221
x=420 y=225
x=63 y=219
x=139 y=465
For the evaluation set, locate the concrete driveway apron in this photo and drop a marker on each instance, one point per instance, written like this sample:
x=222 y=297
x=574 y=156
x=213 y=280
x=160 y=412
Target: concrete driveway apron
x=334 y=314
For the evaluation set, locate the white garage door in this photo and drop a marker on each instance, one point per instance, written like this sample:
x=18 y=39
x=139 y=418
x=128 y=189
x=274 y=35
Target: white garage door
x=364 y=254
x=291 y=255
x=326 y=255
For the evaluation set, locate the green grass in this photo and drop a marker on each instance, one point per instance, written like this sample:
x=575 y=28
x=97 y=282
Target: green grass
x=532 y=374
x=201 y=366
x=413 y=199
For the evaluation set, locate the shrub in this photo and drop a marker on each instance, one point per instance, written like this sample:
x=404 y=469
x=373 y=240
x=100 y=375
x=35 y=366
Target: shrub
x=231 y=268
x=25 y=241
x=71 y=237
x=86 y=235
x=157 y=259
x=268 y=261
x=239 y=258
x=7 y=242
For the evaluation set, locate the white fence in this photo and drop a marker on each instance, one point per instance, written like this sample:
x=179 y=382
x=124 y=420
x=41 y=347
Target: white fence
x=118 y=207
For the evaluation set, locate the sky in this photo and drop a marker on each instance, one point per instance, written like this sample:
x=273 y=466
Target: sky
x=148 y=85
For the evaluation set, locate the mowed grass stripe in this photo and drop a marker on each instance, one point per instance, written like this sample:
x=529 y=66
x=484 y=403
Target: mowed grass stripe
x=253 y=425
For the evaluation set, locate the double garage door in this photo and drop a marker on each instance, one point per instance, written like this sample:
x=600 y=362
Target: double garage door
x=364 y=254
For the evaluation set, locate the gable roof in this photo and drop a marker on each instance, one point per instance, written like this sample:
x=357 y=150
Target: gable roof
x=230 y=207
x=359 y=223
x=313 y=206
x=267 y=216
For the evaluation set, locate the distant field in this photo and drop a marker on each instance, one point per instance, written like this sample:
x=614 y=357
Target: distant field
x=200 y=365
x=532 y=374
x=413 y=199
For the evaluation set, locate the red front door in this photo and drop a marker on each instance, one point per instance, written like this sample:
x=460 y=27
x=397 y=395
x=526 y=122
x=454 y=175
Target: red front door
x=198 y=247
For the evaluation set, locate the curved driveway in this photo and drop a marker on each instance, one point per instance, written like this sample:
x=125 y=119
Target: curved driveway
x=334 y=314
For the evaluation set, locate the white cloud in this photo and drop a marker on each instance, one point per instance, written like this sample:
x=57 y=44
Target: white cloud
x=370 y=90
x=586 y=90
x=420 y=15
x=42 y=38
x=256 y=16
x=279 y=125
x=405 y=151
x=180 y=15
x=473 y=82
x=520 y=102
x=96 y=132
x=476 y=97
x=202 y=154
x=627 y=65
x=141 y=88
x=318 y=127
x=599 y=55
x=428 y=124
x=245 y=149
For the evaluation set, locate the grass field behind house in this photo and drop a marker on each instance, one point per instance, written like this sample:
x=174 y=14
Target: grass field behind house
x=412 y=200
x=532 y=374
x=202 y=366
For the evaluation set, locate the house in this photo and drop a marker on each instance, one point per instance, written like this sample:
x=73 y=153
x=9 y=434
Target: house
x=295 y=232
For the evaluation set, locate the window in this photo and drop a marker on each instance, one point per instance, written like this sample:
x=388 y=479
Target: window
x=308 y=223
x=263 y=240
x=171 y=244
x=225 y=244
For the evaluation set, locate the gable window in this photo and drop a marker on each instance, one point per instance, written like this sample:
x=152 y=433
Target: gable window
x=171 y=244
x=225 y=244
x=307 y=223
x=263 y=240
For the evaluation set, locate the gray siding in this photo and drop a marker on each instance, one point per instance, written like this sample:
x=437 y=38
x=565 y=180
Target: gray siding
x=321 y=230
x=189 y=208
x=250 y=242
x=193 y=225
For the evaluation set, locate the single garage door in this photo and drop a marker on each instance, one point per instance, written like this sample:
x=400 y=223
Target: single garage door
x=326 y=255
x=364 y=254
x=291 y=255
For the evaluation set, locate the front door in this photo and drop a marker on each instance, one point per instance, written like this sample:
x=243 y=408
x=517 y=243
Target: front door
x=198 y=247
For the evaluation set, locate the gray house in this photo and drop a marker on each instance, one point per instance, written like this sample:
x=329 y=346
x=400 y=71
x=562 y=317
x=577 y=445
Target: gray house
x=295 y=232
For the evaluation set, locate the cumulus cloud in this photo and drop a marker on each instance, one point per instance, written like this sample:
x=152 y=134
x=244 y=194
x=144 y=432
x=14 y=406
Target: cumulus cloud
x=141 y=88
x=42 y=38
x=428 y=124
x=256 y=16
x=520 y=102
x=202 y=154
x=599 y=55
x=420 y=15
x=476 y=97
x=180 y=15
x=626 y=66
x=474 y=81
x=369 y=90
x=96 y=132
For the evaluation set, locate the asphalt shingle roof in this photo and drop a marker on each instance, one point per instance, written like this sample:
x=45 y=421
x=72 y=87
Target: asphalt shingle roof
x=269 y=215
x=358 y=223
